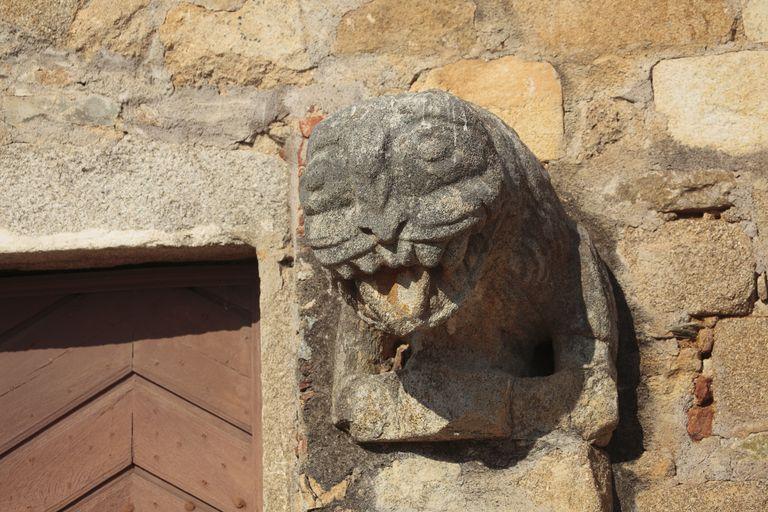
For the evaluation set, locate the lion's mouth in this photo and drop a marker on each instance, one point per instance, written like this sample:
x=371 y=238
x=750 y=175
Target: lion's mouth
x=406 y=291
x=404 y=299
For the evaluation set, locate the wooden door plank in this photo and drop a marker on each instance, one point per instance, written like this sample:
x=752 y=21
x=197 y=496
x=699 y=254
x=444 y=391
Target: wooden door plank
x=150 y=494
x=184 y=316
x=114 y=496
x=71 y=457
x=196 y=348
x=192 y=449
x=187 y=371
x=15 y=310
x=242 y=297
x=56 y=364
x=67 y=378
x=138 y=491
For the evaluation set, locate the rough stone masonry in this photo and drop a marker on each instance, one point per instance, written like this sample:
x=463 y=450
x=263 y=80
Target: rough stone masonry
x=150 y=130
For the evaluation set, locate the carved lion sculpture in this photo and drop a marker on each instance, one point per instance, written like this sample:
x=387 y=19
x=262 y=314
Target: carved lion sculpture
x=475 y=308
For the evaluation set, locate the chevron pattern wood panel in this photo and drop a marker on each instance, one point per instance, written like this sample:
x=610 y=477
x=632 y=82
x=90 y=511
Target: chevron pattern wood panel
x=131 y=395
x=138 y=490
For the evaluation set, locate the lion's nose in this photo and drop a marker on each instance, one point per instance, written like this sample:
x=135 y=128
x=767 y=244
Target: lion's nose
x=385 y=231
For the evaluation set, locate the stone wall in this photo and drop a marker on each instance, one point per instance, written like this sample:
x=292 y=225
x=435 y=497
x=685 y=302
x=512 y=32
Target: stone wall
x=167 y=129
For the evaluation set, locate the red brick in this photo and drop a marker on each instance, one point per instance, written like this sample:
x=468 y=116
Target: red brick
x=702 y=390
x=700 y=422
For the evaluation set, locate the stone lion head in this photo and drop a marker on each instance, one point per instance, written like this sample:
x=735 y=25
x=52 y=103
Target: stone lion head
x=401 y=195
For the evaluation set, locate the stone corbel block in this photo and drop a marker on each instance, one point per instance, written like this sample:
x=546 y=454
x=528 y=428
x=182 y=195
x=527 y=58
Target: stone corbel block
x=475 y=307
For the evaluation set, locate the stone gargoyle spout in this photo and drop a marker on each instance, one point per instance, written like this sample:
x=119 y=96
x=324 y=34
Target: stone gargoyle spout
x=475 y=308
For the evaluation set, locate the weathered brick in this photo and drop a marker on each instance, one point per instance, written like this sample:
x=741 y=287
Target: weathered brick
x=598 y=26
x=707 y=497
x=700 y=422
x=689 y=267
x=407 y=28
x=706 y=110
x=43 y=18
x=756 y=20
x=261 y=44
x=740 y=385
x=117 y=26
x=702 y=391
x=526 y=95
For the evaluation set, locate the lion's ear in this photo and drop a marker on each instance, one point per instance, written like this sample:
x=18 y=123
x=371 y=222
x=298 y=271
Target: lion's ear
x=518 y=161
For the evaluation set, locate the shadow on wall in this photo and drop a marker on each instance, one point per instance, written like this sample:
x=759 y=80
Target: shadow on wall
x=627 y=440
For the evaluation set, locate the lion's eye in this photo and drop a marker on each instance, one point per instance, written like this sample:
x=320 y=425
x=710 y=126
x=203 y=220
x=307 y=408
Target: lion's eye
x=432 y=149
x=324 y=186
x=312 y=180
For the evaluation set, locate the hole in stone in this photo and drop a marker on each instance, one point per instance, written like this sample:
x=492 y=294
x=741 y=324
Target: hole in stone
x=394 y=355
x=713 y=212
x=367 y=231
x=543 y=359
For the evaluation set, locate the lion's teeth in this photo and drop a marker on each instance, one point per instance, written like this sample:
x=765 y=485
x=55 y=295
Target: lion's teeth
x=429 y=255
x=368 y=263
x=402 y=256
x=345 y=271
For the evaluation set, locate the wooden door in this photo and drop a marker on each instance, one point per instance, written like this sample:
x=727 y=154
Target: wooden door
x=130 y=391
